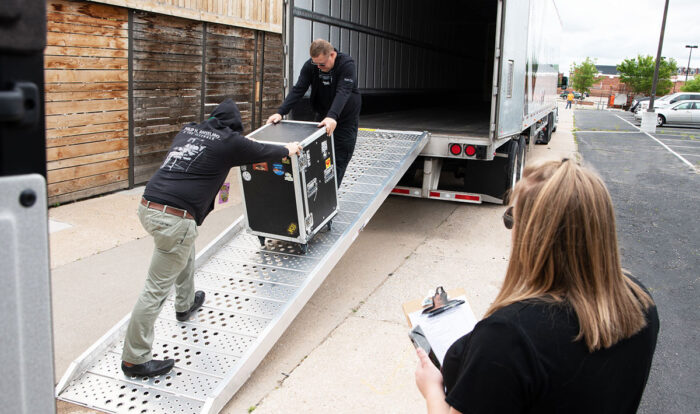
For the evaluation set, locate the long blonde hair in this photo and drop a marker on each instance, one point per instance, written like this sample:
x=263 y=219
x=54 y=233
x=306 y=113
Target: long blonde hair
x=565 y=250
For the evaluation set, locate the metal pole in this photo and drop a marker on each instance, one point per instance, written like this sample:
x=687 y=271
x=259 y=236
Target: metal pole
x=687 y=69
x=658 y=60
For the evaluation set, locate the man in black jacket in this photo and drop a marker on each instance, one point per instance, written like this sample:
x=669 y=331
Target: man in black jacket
x=176 y=200
x=334 y=97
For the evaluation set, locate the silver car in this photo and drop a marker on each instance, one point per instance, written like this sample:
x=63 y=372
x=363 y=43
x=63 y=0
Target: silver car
x=682 y=112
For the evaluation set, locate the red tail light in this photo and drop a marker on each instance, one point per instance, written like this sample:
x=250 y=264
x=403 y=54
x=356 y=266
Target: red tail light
x=455 y=149
x=470 y=150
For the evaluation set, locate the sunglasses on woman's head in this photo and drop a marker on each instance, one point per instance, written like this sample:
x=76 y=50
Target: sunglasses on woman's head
x=508 y=218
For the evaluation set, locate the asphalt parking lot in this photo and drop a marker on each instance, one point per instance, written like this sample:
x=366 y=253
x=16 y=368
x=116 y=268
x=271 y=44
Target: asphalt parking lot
x=655 y=185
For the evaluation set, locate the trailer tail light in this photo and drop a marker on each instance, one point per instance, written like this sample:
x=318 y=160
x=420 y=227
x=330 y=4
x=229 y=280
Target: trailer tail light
x=455 y=149
x=470 y=150
x=400 y=191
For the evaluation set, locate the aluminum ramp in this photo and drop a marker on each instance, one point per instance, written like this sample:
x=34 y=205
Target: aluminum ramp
x=252 y=295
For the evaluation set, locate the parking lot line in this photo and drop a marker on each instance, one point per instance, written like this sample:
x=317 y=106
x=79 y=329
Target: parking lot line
x=662 y=144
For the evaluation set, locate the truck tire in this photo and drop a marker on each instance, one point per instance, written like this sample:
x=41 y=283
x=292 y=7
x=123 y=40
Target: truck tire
x=514 y=170
x=547 y=132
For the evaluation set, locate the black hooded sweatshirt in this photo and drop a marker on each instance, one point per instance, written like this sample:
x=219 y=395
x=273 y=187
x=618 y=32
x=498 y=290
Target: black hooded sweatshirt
x=200 y=158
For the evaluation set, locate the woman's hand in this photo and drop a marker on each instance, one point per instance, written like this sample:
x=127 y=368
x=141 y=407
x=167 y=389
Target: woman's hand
x=428 y=377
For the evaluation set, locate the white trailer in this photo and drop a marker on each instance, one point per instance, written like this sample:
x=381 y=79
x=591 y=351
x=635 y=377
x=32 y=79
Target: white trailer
x=480 y=76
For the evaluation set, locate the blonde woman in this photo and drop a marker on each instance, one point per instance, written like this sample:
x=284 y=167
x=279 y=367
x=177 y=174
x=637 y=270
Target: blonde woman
x=569 y=332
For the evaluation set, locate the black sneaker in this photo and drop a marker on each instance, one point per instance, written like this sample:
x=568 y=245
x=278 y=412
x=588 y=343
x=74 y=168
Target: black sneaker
x=198 y=301
x=151 y=368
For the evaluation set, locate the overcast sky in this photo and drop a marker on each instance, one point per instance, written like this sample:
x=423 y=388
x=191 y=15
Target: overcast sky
x=613 y=30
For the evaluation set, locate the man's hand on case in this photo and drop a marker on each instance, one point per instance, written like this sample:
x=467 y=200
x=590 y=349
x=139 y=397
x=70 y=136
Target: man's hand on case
x=294 y=148
x=274 y=118
x=329 y=123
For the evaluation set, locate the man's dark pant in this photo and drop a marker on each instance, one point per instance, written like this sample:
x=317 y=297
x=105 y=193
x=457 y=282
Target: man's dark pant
x=344 y=138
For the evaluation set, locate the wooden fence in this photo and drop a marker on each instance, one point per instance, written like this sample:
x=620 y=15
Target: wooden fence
x=87 y=136
x=121 y=82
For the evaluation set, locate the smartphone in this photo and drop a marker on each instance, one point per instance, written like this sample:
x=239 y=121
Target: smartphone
x=420 y=341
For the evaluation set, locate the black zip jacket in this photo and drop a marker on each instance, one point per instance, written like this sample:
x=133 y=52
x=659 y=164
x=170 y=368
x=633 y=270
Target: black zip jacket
x=334 y=94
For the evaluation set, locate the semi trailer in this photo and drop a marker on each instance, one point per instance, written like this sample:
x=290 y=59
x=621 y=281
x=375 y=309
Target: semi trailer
x=479 y=76
x=474 y=81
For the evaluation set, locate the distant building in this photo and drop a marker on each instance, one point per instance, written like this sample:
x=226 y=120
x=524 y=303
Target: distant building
x=693 y=71
x=608 y=70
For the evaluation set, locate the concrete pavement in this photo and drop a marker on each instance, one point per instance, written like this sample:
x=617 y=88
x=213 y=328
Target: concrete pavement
x=348 y=350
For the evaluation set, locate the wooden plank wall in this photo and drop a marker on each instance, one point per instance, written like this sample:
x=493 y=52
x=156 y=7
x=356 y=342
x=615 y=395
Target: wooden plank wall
x=229 y=70
x=272 y=91
x=252 y=14
x=180 y=70
x=167 y=85
x=86 y=100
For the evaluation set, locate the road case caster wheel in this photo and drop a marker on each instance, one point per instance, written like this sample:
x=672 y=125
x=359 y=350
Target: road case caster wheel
x=304 y=248
x=262 y=241
x=328 y=227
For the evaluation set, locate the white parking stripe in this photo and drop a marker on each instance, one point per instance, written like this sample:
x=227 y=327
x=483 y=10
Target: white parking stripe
x=607 y=132
x=679 y=139
x=683 y=146
x=662 y=144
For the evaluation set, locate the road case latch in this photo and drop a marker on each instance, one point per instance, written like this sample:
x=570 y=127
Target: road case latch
x=309 y=222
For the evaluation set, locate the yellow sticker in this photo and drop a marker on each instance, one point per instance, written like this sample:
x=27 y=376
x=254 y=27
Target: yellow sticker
x=292 y=228
x=367 y=129
x=328 y=163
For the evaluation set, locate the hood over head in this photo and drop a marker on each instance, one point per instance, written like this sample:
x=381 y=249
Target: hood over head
x=228 y=115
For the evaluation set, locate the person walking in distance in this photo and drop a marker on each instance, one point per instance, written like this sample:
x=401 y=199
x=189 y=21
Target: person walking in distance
x=335 y=98
x=569 y=100
x=176 y=200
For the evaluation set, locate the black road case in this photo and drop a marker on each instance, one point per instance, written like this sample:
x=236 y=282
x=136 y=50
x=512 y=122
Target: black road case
x=292 y=198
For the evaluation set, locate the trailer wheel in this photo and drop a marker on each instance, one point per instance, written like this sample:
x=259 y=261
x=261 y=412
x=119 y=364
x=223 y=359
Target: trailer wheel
x=515 y=154
x=547 y=132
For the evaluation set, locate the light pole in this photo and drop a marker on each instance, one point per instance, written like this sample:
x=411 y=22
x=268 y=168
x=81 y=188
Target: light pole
x=649 y=117
x=687 y=69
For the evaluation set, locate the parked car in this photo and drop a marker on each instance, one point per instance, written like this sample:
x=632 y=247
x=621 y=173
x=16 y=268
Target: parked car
x=671 y=99
x=566 y=93
x=636 y=102
x=679 y=112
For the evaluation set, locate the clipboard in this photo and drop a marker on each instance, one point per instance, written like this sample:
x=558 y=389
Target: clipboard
x=436 y=333
x=416 y=305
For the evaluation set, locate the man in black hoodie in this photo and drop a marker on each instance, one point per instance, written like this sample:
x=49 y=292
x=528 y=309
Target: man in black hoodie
x=176 y=200
x=334 y=97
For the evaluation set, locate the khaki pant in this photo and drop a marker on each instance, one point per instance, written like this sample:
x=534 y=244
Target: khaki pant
x=172 y=263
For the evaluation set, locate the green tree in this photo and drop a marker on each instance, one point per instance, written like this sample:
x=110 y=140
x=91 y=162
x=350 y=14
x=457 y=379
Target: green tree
x=638 y=74
x=583 y=75
x=692 y=85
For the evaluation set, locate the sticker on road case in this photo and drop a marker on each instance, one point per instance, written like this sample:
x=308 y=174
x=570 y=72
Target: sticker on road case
x=261 y=166
x=246 y=175
x=328 y=162
x=328 y=174
x=324 y=148
x=278 y=169
x=311 y=188
x=288 y=177
x=286 y=160
x=292 y=228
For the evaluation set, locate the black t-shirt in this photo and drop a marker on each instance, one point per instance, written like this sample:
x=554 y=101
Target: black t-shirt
x=522 y=359
x=200 y=158
x=334 y=94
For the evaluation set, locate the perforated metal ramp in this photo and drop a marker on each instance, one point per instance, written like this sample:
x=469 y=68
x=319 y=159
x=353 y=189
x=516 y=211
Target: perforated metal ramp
x=253 y=294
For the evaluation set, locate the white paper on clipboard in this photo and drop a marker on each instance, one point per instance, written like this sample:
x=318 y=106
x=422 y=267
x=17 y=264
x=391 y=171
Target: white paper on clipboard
x=444 y=329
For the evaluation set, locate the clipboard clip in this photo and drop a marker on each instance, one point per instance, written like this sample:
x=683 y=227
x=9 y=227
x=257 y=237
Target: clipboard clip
x=435 y=301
